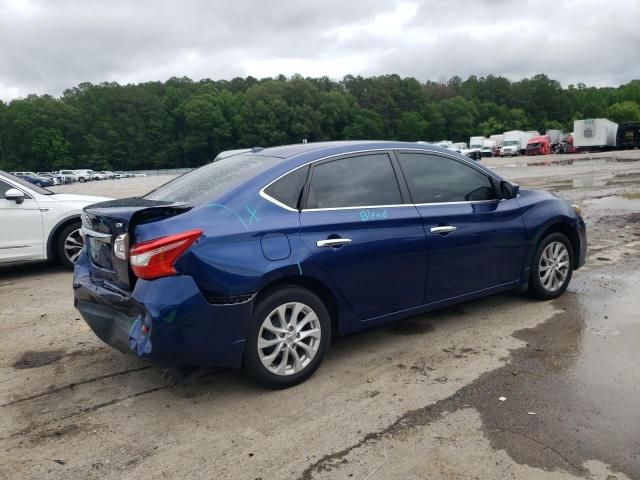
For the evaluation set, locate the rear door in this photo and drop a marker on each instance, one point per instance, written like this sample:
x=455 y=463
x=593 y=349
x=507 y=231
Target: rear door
x=366 y=238
x=21 y=235
x=475 y=241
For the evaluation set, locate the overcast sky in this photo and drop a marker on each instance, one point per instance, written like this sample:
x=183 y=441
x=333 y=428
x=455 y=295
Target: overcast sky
x=47 y=46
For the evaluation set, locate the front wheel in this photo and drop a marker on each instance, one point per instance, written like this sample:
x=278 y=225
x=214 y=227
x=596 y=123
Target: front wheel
x=552 y=267
x=69 y=244
x=288 y=338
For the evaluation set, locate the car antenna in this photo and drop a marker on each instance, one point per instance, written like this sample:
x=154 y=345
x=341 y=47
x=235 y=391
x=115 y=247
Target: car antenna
x=257 y=149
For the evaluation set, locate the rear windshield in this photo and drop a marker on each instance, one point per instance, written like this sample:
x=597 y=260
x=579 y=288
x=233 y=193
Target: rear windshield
x=211 y=180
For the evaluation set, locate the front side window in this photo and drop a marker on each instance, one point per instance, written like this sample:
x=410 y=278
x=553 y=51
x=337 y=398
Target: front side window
x=3 y=189
x=435 y=179
x=365 y=180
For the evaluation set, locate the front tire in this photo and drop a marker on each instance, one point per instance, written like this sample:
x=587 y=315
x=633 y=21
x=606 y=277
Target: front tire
x=69 y=244
x=552 y=267
x=288 y=338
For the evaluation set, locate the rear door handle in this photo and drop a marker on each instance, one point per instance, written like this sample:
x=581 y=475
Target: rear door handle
x=443 y=229
x=333 y=242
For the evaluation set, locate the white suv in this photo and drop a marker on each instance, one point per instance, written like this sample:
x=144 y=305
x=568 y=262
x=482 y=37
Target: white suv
x=38 y=224
x=70 y=174
x=85 y=175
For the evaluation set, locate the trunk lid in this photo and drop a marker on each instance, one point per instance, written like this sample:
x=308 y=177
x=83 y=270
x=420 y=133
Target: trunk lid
x=103 y=222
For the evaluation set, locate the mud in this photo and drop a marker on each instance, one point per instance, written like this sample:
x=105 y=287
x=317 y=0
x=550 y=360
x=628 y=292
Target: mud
x=38 y=359
x=566 y=401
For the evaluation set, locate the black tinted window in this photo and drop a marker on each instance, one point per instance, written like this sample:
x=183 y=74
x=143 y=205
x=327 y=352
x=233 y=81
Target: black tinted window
x=354 y=182
x=434 y=179
x=211 y=180
x=3 y=189
x=287 y=190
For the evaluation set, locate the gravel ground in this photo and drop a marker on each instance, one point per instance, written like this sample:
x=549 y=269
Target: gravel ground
x=417 y=399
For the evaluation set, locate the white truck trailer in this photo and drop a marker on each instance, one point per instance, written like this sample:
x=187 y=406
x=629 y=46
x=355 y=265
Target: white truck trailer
x=511 y=143
x=594 y=134
x=497 y=139
x=476 y=143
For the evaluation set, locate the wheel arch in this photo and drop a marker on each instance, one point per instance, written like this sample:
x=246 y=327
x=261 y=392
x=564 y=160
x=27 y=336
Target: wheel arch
x=569 y=231
x=55 y=232
x=309 y=283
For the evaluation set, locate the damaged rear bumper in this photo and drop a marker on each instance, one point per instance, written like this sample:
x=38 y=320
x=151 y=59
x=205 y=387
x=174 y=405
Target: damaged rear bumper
x=166 y=320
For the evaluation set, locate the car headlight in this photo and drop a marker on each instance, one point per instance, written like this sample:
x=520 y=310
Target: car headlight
x=577 y=209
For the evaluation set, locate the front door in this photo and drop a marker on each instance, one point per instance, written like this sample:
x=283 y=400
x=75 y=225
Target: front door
x=475 y=241
x=371 y=244
x=21 y=235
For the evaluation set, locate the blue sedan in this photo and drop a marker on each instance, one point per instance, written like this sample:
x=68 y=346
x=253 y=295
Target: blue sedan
x=257 y=260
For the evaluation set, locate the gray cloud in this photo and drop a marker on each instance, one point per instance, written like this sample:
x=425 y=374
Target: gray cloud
x=46 y=46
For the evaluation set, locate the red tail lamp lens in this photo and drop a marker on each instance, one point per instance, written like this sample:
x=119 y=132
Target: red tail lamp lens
x=155 y=258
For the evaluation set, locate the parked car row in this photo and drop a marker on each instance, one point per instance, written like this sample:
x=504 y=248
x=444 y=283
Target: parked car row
x=48 y=179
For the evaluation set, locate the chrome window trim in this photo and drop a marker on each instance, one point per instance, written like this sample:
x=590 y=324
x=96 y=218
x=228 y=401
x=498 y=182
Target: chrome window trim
x=465 y=202
x=269 y=198
x=357 y=208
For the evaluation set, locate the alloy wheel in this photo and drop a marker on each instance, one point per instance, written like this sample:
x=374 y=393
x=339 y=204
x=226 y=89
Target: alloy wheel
x=73 y=245
x=554 y=266
x=289 y=338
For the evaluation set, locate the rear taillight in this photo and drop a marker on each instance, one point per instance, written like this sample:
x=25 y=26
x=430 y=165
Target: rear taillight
x=155 y=258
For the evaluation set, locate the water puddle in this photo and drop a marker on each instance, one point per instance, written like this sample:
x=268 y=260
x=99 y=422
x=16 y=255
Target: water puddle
x=628 y=202
x=618 y=180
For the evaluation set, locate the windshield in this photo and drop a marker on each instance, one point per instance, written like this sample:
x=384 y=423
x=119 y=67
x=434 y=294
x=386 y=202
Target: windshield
x=24 y=183
x=211 y=180
x=508 y=143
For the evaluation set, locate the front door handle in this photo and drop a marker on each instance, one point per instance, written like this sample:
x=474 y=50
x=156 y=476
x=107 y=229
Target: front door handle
x=443 y=230
x=333 y=242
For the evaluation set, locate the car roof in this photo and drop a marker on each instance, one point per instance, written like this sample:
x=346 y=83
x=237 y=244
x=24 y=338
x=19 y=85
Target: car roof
x=345 y=146
x=285 y=158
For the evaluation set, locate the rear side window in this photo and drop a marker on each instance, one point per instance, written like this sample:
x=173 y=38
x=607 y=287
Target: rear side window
x=211 y=180
x=287 y=190
x=365 y=180
x=435 y=179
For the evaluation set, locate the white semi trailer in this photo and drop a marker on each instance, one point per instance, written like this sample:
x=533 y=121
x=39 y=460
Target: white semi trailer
x=594 y=134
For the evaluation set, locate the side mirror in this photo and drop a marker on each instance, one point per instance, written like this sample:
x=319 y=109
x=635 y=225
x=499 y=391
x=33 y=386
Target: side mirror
x=15 y=195
x=509 y=190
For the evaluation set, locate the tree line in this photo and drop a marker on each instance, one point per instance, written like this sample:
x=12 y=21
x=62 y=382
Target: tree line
x=185 y=123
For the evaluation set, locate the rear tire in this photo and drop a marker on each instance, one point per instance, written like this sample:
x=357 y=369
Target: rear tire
x=288 y=338
x=552 y=267
x=69 y=244
x=81 y=180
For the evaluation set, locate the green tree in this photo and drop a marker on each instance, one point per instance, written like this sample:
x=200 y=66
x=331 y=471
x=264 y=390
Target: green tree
x=627 y=111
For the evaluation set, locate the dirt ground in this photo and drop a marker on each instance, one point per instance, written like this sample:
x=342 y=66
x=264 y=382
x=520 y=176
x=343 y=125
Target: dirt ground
x=413 y=400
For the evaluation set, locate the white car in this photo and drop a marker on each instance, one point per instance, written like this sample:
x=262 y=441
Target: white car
x=100 y=176
x=69 y=174
x=38 y=224
x=85 y=175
